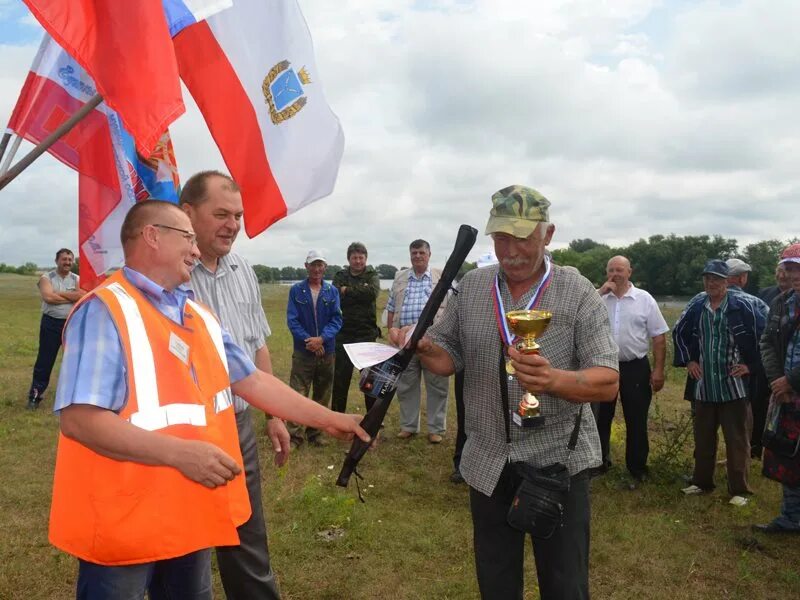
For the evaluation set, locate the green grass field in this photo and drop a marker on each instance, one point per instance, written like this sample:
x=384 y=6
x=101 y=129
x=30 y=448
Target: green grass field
x=412 y=539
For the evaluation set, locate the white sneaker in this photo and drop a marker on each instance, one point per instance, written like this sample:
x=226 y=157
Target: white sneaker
x=739 y=501
x=692 y=490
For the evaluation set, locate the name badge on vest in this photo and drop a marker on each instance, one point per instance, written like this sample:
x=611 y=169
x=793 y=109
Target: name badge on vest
x=179 y=348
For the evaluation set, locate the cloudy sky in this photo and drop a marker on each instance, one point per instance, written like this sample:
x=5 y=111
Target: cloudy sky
x=634 y=117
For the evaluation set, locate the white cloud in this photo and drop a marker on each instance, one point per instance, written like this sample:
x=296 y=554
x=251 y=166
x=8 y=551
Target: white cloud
x=629 y=133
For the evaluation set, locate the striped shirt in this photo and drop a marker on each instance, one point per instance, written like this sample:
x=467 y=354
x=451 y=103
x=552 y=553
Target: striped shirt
x=94 y=368
x=418 y=291
x=718 y=353
x=232 y=292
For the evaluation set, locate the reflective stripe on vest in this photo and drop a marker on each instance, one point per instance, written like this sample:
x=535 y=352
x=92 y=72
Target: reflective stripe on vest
x=151 y=415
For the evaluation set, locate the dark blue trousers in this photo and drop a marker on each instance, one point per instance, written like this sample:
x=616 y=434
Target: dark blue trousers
x=50 y=330
x=186 y=577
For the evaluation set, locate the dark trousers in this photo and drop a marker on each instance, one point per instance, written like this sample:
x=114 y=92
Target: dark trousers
x=183 y=578
x=50 y=330
x=342 y=374
x=736 y=420
x=245 y=569
x=461 y=434
x=311 y=376
x=759 y=401
x=635 y=394
x=562 y=562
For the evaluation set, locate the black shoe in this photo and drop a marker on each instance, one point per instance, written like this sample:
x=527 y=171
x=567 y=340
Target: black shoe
x=772 y=528
x=34 y=399
x=456 y=477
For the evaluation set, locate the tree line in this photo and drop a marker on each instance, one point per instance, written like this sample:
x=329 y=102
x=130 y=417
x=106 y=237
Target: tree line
x=28 y=268
x=663 y=265
x=672 y=265
x=275 y=274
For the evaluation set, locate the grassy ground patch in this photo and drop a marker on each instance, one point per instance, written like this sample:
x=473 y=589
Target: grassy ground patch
x=412 y=539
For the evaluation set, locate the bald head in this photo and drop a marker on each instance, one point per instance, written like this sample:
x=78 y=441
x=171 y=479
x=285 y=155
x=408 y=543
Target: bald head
x=618 y=261
x=618 y=270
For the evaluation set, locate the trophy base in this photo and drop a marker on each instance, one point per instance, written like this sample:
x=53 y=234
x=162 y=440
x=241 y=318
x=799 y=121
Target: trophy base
x=527 y=422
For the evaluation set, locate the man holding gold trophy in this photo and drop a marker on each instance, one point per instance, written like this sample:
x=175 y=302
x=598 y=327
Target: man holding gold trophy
x=535 y=345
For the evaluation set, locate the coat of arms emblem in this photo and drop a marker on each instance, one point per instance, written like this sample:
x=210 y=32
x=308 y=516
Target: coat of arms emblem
x=283 y=91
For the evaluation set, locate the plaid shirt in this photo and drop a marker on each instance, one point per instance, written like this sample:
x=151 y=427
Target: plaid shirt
x=718 y=353
x=579 y=337
x=418 y=291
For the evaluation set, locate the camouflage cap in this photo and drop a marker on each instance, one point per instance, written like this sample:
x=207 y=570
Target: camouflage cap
x=517 y=210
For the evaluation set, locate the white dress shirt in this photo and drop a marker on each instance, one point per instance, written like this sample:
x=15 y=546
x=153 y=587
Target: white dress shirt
x=635 y=319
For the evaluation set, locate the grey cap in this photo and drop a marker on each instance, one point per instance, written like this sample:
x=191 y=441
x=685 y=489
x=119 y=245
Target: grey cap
x=737 y=267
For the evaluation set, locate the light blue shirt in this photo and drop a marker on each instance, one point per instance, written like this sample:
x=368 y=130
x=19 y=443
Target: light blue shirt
x=418 y=291
x=94 y=369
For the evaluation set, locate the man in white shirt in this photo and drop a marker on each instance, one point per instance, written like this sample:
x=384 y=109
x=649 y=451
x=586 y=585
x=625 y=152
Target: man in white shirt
x=635 y=320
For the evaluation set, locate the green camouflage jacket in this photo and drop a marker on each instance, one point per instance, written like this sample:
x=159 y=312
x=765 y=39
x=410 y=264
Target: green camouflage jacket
x=358 y=305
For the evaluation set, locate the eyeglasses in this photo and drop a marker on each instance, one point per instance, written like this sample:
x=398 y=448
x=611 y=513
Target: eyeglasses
x=189 y=236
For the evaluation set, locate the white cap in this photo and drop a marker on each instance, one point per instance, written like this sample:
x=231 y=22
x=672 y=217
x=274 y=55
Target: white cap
x=486 y=260
x=315 y=255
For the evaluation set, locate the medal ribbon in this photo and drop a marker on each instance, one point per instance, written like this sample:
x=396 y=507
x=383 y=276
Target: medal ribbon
x=499 y=309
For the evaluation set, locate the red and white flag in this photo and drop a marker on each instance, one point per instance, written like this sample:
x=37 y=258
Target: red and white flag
x=111 y=175
x=252 y=72
x=126 y=48
x=56 y=88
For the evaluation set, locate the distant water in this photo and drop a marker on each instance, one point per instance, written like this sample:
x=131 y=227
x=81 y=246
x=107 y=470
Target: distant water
x=672 y=302
x=385 y=283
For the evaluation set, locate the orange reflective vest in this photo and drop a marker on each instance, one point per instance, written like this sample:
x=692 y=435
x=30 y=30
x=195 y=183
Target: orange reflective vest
x=115 y=512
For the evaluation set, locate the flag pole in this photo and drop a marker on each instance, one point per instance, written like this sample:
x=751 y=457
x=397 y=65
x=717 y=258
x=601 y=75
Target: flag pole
x=12 y=152
x=4 y=143
x=51 y=139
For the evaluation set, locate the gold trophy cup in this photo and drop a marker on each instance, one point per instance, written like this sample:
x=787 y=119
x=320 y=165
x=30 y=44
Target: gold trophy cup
x=528 y=325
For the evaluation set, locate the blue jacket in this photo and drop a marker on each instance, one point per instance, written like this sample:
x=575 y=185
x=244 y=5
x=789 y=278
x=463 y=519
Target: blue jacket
x=300 y=315
x=745 y=320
